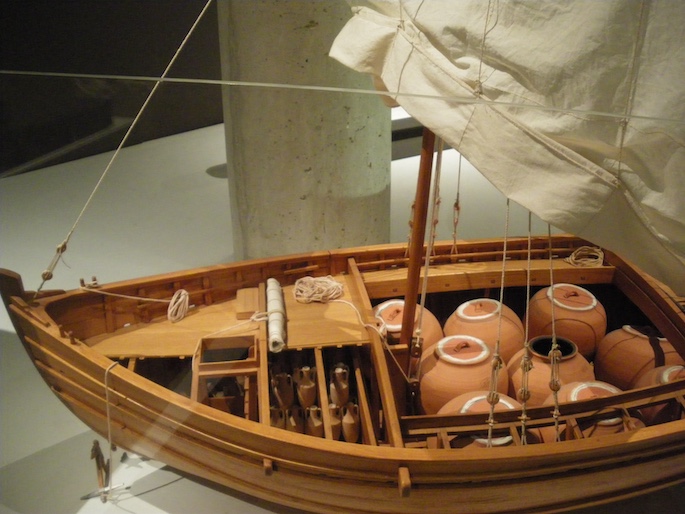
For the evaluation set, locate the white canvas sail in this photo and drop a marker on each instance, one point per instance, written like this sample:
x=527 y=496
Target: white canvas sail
x=575 y=109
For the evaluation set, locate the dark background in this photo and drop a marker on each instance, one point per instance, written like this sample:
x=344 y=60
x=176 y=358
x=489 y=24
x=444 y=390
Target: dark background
x=40 y=115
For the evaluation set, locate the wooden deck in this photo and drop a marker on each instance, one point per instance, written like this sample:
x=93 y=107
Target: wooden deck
x=310 y=325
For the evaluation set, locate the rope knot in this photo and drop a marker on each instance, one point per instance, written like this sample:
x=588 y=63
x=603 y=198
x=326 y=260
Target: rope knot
x=526 y=364
x=524 y=394
x=478 y=88
x=555 y=355
x=555 y=385
x=493 y=398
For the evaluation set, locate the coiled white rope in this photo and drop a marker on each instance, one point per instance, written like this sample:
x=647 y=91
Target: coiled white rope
x=586 y=257
x=178 y=305
x=275 y=322
x=317 y=289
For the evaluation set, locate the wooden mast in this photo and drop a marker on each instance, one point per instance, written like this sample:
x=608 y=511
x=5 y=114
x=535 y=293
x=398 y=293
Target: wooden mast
x=416 y=250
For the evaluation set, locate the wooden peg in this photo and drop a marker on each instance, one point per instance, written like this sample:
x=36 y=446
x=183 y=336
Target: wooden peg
x=404 y=481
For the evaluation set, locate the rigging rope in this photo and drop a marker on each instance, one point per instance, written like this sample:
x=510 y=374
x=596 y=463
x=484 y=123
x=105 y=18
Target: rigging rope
x=456 y=211
x=465 y=100
x=435 y=208
x=526 y=363
x=554 y=352
x=497 y=363
x=431 y=236
x=414 y=375
x=62 y=247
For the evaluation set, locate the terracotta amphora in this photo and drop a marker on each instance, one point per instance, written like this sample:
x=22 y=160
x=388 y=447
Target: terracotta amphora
x=391 y=312
x=350 y=422
x=277 y=417
x=283 y=390
x=313 y=421
x=573 y=367
x=305 y=380
x=627 y=353
x=579 y=391
x=476 y=402
x=578 y=316
x=294 y=419
x=455 y=365
x=339 y=385
x=336 y=420
x=488 y=319
x=662 y=412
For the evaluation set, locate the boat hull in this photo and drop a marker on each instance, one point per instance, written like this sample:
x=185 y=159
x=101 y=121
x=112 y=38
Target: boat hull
x=321 y=475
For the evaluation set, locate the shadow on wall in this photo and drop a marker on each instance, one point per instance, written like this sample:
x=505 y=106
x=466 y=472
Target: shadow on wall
x=66 y=118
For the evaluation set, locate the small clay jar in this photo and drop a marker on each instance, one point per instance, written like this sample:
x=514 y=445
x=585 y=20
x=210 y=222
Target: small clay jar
x=294 y=419
x=351 y=425
x=305 y=380
x=580 y=391
x=313 y=421
x=336 y=420
x=391 y=313
x=578 y=316
x=663 y=412
x=277 y=417
x=455 y=365
x=476 y=402
x=572 y=367
x=625 y=354
x=282 y=390
x=339 y=384
x=481 y=318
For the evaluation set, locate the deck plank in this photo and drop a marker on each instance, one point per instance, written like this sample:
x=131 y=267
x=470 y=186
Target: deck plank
x=309 y=325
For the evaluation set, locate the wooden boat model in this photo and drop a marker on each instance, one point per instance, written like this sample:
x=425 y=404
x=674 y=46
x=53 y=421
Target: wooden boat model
x=116 y=361
x=214 y=394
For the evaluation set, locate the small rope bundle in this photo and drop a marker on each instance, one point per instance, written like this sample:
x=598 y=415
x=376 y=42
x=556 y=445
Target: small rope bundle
x=321 y=289
x=586 y=257
x=178 y=306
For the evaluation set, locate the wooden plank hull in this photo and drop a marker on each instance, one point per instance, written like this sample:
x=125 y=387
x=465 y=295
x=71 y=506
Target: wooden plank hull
x=323 y=475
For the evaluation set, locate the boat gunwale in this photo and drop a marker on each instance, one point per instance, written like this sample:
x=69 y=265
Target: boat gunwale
x=319 y=263
x=243 y=454
x=43 y=304
x=336 y=261
x=344 y=458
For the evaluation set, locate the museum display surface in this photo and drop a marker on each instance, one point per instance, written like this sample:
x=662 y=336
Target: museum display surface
x=457 y=375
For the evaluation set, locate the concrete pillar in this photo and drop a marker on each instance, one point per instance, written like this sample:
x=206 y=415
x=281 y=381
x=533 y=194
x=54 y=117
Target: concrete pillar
x=308 y=170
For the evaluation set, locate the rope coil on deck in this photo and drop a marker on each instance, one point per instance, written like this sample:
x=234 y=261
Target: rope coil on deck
x=586 y=257
x=178 y=305
x=317 y=289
